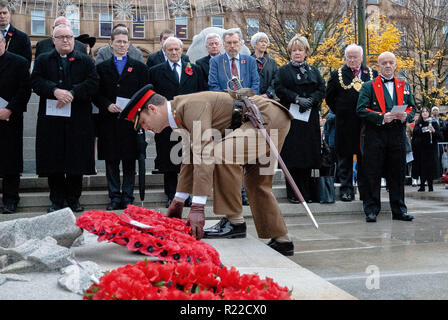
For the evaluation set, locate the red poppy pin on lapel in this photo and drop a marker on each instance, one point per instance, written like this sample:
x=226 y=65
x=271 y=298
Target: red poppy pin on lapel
x=243 y=61
x=365 y=71
x=188 y=70
x=130 y=69
x=71 y=59
x=10 y=34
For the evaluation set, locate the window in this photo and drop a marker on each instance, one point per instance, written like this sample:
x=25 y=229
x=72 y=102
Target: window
x=290 y=27
x=252 y=26
x=218 y=22
x=105 y=25
x=373 y=1
x=72 y=14
x=138 y=26
x=181 y=27
x=37 y=22
x=318 y=35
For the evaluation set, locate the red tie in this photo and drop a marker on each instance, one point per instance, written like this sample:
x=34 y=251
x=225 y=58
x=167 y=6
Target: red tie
x=234 y=68
x=356 y=72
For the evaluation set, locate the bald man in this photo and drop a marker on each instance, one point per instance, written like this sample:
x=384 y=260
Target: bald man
x=383 y=137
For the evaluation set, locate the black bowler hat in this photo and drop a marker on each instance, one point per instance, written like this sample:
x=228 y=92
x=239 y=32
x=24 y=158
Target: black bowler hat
x=85 y=38
x=132 y=110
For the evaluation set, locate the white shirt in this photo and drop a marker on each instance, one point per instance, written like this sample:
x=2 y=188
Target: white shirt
x=171 y=119
x=390 y=86
x=178 y=68
x=6 y=30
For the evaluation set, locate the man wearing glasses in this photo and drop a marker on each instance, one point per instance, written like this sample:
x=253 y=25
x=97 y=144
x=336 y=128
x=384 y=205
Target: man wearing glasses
x=65 y=80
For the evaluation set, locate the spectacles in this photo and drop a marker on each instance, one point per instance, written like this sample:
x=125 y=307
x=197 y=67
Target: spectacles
x=68 y=38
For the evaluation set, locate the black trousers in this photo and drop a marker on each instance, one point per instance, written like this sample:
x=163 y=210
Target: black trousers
x=170 y=183
x=126 y=195
x=345 y=174
x=302 y=178
x=64 y=187
x=383 y=152
x=10 y=187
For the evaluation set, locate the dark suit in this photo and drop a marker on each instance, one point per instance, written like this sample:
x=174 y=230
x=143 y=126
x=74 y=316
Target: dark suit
x=117 y=140
x=19 y=43
x=47 y=45
x=158 y=57
x=165 y=83
x=15 y=87
x=383 y=145
x=348 y=125
x=65 y=145
x=204 y=64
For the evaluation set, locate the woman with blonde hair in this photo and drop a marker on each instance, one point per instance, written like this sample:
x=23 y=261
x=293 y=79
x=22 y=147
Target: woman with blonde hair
x=301 y=89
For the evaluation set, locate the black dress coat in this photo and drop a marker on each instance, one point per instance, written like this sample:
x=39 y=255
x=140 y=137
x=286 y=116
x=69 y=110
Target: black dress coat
x=158 y=57
x=15 y=87
x=204 y=64
x=343 y=104
x=19 y=43
x=425 y=153
x=117 y=140
x=302 y=146
x=267 y=69
x=65 y=144
x=165 y=83
x=47 y=45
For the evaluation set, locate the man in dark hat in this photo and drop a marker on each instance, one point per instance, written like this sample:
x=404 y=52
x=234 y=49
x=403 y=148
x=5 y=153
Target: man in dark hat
x=88 y=41
x=47 y=45
x=15 y=91
x=16 y=41
x=66 y=81
x=120 y=77
x=206 y=116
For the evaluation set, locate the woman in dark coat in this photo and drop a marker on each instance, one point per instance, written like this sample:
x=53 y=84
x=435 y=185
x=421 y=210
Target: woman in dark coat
x=300 y=86
x=425 y=136
x=267 y=67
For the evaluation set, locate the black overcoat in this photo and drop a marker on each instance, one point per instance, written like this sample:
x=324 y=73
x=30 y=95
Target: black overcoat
x=165 y=83
x=15 y=87
x=19 y=43
x=204 y=64
x=65 y=144
x=302 y=145
x=117 y=139
x=425 y=153
x=267 y=69
x=343 y=104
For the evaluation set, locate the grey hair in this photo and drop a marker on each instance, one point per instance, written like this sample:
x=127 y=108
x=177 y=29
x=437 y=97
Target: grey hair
x=257 y=37
x=62 y=26
x=353 y=46
x=4 y=4
x=231 y=32
x=213 y=35
x=172 y=39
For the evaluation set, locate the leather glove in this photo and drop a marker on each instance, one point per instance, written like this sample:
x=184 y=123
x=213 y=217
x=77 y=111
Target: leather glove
x=196 y=220
x=175 y=209
x=304 y=103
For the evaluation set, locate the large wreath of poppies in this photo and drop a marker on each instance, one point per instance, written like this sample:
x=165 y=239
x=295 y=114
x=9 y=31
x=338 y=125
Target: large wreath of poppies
x=150 y=233
x=183 y=281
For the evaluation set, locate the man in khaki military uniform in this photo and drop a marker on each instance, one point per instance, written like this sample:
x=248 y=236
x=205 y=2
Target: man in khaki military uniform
x=216 y=159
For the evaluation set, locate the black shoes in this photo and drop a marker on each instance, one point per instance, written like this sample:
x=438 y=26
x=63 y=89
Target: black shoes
x=54 y=207
x=114 y=206
x=187 y=202
x=225 y=230
x=168 y=203
x=293 y=200
x=76 y=206
x=285 y=248
x=346 y=197
x=371 y=217
x=10 y=208
x=421 y=189
x=402 y=217
x=245 y=201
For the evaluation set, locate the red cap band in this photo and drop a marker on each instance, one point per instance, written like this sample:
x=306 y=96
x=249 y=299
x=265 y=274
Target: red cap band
x=139 y=104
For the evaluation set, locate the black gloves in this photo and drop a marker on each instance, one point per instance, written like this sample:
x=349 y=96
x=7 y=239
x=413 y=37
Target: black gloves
x=304 y=103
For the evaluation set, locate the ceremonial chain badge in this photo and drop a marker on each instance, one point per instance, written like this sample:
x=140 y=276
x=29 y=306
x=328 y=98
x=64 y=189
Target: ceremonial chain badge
x=356 y=82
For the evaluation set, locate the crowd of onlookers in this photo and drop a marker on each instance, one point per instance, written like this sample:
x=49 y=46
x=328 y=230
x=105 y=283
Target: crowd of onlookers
x=81 y=95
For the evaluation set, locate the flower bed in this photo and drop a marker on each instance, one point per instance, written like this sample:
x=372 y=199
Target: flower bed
x=183 y=281
x=150 y=233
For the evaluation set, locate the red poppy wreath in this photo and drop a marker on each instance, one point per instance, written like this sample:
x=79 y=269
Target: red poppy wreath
x=183 y=281
x=150 y=233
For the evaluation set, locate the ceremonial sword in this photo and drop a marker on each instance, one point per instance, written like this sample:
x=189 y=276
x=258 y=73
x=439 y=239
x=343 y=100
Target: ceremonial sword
x=255 y=117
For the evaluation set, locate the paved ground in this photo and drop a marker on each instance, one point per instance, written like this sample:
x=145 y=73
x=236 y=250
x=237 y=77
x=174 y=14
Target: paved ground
x=384 y=260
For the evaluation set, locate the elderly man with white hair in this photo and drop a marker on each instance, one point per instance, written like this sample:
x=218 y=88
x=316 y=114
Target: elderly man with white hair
x=213 y=44
x=341 y=96
x=266 y=66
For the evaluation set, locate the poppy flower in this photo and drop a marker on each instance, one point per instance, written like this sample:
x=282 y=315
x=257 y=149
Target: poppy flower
x=188 y=69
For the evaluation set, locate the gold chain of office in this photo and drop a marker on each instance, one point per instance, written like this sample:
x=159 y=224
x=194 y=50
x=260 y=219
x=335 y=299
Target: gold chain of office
x=356 y=82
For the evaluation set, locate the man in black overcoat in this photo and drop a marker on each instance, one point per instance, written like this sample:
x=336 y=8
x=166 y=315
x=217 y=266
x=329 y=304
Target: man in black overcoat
x=213 y=44
x=120 y=77
x=342 y=96
x=186 y=79
x=65 y=141
x=47 y=45
x=17 y=41
x=15 y=91
x=160 y=56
